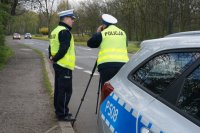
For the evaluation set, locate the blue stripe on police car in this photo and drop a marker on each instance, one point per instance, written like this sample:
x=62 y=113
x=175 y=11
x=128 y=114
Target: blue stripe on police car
x=120 y=117
x=116 y=116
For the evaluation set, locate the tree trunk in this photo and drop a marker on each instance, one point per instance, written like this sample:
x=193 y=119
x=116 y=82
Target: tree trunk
x=13 y=7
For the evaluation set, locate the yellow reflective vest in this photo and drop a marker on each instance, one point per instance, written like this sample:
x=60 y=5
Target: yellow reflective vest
x=113 y=46
x=68 y=61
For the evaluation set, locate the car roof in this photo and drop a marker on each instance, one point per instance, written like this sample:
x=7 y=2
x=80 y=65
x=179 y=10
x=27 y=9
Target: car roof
x=172 y=43
x=188 y=33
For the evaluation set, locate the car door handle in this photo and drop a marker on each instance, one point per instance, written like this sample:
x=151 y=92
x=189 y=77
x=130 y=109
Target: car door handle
x=145 y=130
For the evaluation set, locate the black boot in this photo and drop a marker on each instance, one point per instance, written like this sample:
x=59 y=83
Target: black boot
x=66 y=118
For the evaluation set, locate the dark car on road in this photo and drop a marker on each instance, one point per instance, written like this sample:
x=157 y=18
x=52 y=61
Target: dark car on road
x=16 y=36
x=27 y=36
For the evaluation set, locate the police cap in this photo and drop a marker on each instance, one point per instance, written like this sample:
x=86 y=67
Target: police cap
x=108 y=19
x=67 y=13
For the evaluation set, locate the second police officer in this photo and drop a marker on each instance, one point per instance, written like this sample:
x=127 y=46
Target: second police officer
x=112 y=42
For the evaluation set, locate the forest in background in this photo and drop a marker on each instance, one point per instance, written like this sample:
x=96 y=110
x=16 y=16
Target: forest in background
x=140 y=19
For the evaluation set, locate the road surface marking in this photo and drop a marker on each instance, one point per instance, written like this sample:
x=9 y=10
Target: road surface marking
x=77 y=67
x=85 y=48
x=86 y=57
x=51 y=129
x=25 y=49
x=89 y=72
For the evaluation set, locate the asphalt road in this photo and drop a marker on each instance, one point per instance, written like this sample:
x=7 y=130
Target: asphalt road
x=86 y=57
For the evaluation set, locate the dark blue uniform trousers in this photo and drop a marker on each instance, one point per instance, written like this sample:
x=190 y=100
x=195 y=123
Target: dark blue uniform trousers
x=108 y=73
x=63 y=90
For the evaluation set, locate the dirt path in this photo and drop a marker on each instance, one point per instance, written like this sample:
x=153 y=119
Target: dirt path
x=24 y=102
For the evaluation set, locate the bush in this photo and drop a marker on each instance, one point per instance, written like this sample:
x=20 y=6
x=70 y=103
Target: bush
x=5 y=54
x=38 y=35
x=2 y=36
x=41 y=37
x=80 y=38
x=4 y=17
x=44 y=30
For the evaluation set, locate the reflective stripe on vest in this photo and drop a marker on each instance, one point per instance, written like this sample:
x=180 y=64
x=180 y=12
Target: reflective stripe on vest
x=113 y=46
x=68 y=61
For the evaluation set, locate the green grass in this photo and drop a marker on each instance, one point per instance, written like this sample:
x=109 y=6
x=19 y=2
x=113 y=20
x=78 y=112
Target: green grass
x=46 y=80
x=45 y=73
x=41 y=37
x=81 y=43
x=80 y=38
x=133 y=46
x=5 y=53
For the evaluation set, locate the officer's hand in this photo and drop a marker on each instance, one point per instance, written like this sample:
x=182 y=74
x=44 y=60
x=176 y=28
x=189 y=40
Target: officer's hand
x=51 y=59
x=100 y=28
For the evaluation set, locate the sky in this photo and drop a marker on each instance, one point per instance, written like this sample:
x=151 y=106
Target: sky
x=74 y=3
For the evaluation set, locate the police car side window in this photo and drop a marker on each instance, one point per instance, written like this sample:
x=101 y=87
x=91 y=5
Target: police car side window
x=189 y=100
x=157 y=74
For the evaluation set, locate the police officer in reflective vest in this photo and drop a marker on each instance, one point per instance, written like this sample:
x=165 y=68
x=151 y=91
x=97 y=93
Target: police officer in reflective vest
x=62 y=54
x=112 y=42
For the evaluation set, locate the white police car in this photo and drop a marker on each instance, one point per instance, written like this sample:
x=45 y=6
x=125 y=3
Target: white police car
x=157 y=91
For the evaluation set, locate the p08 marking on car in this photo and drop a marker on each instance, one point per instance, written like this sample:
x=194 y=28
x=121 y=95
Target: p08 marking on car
x=117 y=115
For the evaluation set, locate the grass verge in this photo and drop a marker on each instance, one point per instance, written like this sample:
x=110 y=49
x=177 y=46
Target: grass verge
x=5 y=53
x=46 y=80
x=81 y=43
x=133 y=47
x=41 y=38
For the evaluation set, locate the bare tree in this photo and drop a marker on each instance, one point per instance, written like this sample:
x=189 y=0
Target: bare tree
x=16 y=6
x=63 y=6
x=89 y=16
x=46 y=7
x=143 y=19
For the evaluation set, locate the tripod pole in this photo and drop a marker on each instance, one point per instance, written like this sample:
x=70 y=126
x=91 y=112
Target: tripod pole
x=99 y=88
x=82 y=99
